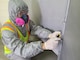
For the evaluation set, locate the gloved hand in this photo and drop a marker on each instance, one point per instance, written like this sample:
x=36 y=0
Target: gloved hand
x=55 y=34
x=51 y=44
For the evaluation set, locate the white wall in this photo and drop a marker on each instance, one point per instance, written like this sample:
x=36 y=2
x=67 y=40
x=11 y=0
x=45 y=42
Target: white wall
x=3 y=10
x=71 y=43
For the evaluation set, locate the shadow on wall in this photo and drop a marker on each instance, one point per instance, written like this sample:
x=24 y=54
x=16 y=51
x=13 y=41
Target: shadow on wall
x=36 y=13
x=46 y=55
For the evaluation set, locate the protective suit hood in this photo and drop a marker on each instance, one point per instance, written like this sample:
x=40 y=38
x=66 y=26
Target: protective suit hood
x=14 y=7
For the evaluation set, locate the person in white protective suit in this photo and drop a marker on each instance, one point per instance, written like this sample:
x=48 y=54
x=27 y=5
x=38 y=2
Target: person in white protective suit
x=17 y=30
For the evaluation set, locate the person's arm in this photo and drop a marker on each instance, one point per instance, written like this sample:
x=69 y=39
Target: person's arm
x=26 y=50
x=41 y=32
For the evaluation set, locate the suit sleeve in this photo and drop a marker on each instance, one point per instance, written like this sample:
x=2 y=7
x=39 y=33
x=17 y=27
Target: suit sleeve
x=41 y=32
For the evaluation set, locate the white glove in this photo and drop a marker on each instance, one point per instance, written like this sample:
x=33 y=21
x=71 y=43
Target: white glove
x=55 y=34
x=51 y=44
